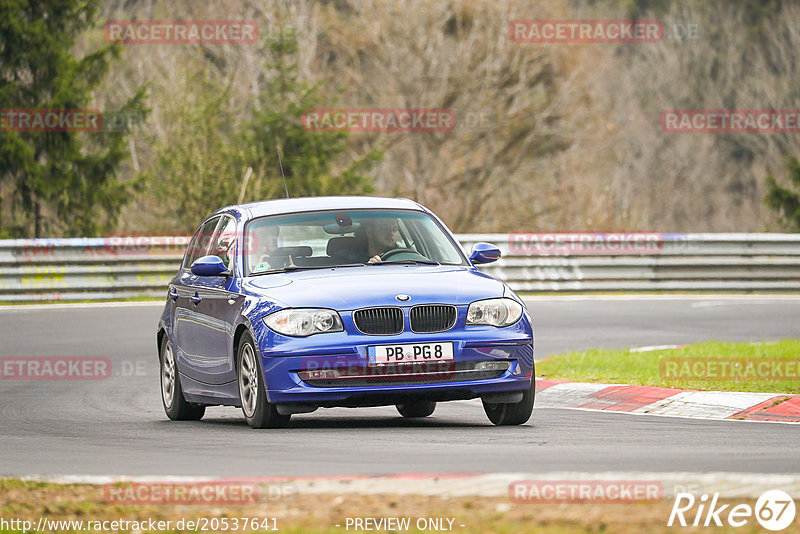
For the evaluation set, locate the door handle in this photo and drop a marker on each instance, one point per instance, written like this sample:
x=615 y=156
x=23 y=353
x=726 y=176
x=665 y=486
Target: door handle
x=196 y=299
x=173 y=294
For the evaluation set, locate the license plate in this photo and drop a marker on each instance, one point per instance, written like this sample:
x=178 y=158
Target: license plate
x=410 y=352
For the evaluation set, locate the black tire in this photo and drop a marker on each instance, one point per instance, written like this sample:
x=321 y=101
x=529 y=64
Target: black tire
x=516 y=413
x=175 y=405
x=416 y=409
x=252 y=392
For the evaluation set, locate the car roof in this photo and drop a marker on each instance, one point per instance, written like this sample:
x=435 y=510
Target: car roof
x=295 y=205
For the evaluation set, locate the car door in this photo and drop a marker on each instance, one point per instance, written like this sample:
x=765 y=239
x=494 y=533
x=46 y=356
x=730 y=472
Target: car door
x=183 y=292
x=214 y=310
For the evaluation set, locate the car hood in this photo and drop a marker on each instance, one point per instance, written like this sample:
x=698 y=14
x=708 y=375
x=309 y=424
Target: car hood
x=349 y=288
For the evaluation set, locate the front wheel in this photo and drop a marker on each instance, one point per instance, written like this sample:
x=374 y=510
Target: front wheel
x=257 y=411
x=416 y=409
x=515 y=413
x=175 y=405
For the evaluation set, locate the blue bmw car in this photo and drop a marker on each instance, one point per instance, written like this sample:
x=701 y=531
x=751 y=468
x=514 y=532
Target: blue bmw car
x=282 y=307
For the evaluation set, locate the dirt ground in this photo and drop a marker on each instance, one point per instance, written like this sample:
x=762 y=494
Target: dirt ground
x=324 y=513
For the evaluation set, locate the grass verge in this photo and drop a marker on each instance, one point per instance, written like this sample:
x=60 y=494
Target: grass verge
x=769 y=367
x=320 y=513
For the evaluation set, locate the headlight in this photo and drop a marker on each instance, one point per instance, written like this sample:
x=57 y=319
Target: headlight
x=494 y=312
x=304 y=322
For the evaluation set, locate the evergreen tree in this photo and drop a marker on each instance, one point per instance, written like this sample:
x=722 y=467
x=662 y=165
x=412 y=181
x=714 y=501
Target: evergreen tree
x=56 y=183
x=203 y=165
x=308 y=156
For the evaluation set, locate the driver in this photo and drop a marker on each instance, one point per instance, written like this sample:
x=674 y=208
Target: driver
x=382 y=237
x=269 y=236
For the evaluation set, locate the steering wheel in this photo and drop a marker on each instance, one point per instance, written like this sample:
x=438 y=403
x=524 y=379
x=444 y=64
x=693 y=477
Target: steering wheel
x=389 y=253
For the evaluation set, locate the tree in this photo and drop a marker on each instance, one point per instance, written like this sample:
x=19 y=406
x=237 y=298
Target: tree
x=203 y=160
x=196 y=168
x=786 y=200
x=492 y=171
x=308 y=156
x=56 y=183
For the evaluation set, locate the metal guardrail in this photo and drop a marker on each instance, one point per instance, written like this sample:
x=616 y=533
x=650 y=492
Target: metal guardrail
x=107 y=268
x=662 y=262
x=88 y=268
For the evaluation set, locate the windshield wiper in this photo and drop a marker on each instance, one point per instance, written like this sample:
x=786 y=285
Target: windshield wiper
x=406 y=262
x=292 y=268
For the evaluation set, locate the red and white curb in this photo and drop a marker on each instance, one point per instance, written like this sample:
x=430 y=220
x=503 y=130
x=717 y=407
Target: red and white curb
x=671 y=402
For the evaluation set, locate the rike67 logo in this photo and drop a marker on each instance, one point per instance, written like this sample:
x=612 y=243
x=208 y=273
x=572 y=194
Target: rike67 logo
x=774 y=510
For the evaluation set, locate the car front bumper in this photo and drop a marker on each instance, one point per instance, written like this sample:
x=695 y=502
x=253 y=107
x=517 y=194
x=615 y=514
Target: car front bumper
x=333 y=369
x=345 y=378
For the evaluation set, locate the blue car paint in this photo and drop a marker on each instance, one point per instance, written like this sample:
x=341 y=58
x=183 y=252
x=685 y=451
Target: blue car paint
x=484 y=253
x=208 y=266
x=203 y=313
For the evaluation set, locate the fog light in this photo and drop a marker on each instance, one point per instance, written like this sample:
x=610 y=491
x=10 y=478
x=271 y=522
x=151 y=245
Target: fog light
x=491 y=366
x=319 y=374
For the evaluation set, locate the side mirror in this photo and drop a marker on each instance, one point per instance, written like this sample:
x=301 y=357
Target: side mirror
x=209 y=266
x=484 y=253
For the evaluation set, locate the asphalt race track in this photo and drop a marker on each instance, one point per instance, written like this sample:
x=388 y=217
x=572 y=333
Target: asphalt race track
x=117 y=426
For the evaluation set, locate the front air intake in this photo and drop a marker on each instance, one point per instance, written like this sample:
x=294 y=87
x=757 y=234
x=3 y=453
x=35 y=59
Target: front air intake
x=432 y=318
x=379 y=321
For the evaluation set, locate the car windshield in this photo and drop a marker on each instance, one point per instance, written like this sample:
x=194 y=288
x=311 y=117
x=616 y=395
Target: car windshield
x=347 y=237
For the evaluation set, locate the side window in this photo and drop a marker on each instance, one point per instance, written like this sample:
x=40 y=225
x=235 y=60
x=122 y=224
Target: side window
x=224 y=244
x=200 y=243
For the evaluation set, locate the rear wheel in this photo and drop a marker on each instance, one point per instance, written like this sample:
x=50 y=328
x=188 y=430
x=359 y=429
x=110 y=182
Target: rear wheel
x=416 y=409
x=257 y=411
x=175 y=405
x=515 y=413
